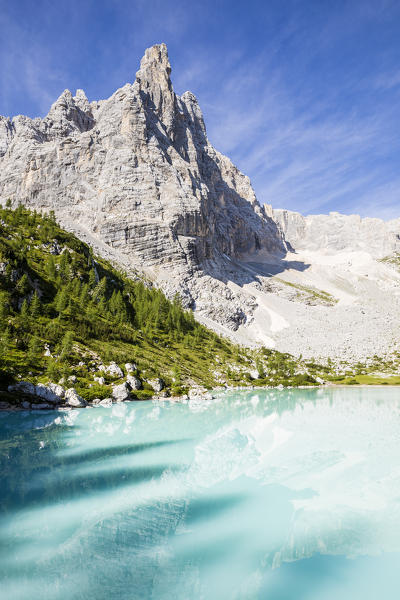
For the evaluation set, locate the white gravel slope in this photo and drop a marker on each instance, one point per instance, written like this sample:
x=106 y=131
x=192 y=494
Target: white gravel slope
x=364 y=321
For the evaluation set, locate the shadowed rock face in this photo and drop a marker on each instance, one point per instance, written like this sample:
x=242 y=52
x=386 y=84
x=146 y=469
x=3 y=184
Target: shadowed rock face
x=138 y=172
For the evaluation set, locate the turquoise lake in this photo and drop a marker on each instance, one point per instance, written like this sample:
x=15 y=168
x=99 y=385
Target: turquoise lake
x=281 y=495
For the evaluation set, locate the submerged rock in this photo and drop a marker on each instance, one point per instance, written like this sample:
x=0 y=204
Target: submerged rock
x=106 y=402
x=41 y=406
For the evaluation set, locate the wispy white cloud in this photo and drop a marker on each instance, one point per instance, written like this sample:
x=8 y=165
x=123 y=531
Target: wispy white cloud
x=292 y=96
x=302 y=152
x=387 y=81
x=26 y=69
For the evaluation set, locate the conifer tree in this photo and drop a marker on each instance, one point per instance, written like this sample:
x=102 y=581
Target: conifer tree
x=92 y=278
x=34 y=348
x=5 y=342
x=35 y=306
x=84 y=297
x=65 y=268
x=76 y=287
x=51 y=267
x=4 y=307
x=52 y=370
x=24 y=312
x=61 y=301
x=66 y=345
x=100 y=289
x=23 y=286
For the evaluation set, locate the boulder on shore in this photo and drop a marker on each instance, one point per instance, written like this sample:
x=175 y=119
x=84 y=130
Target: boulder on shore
x=134 y=382
x=23 y=387
x=72 y=398
x=121 y=392
x=52 y=392
x=156 y=384
x=106 y=402
x=199 y=393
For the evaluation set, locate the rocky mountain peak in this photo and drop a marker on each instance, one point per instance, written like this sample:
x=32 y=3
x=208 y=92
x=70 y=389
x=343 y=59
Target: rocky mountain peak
x=68 y=114
x=154 y=64
x=136 y=176
x=137 y=172
x=155 y=86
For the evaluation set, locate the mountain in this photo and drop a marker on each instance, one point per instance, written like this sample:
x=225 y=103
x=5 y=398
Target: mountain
x=65 y=314
x=136 y=177
x=336 y=233
x=137 y=172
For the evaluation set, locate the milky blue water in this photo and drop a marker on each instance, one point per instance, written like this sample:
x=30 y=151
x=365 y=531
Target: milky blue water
x=281 y=495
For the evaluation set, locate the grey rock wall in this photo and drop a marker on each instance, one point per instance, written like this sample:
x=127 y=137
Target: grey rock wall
x=336 y=232
x=137 y=172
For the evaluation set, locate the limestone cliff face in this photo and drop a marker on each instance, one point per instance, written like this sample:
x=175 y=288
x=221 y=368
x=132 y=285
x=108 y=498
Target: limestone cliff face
x=138 y=172
x=136 y=177
x=336 y=232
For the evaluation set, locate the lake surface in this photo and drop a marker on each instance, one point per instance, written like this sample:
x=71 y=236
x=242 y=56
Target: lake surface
x=281 y=495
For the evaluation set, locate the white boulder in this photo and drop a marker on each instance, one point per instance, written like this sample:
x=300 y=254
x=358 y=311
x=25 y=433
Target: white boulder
x=199 y=393
x=52 y=392
x=156 y=384
x=114 y=370
x=106 y=402
x=121 y=392
x=134 y=382
x=72 y=398
x=23 y=387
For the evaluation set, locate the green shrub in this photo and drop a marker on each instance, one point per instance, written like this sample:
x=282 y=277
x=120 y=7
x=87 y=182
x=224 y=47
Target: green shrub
x=143 y=394
x=96 y=391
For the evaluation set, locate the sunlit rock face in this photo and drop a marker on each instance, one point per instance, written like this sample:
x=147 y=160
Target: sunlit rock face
x=138 y=173
x=336 y=232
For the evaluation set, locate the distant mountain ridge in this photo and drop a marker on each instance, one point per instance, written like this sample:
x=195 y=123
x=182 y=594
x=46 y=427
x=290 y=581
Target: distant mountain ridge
x=337 y=232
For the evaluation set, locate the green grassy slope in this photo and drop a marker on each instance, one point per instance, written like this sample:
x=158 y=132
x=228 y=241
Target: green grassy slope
x=66 y=312
x=55 y=294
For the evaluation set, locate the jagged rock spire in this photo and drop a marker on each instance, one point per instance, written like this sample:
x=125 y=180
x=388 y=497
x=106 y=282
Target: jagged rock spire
x=68 y=114
x=153 y=79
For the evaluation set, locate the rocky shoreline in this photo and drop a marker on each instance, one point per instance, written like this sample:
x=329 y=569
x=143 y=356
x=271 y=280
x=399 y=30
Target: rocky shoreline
x=30 y=396
x=53 y=397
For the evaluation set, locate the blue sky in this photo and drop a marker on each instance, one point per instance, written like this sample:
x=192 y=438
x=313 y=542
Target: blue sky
x=303 y=96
